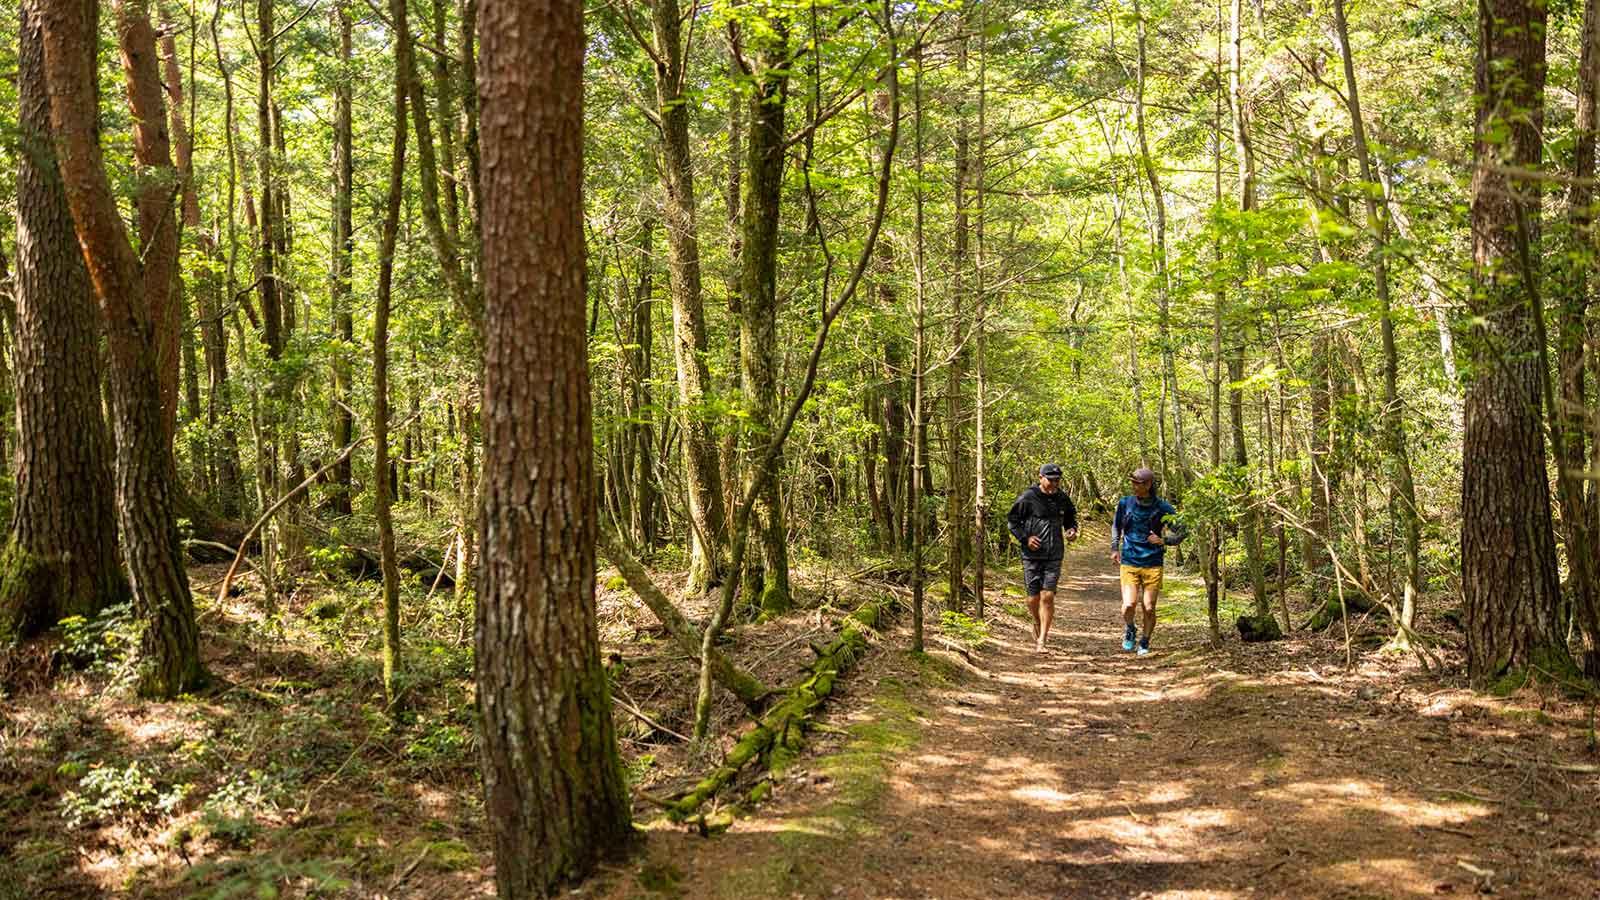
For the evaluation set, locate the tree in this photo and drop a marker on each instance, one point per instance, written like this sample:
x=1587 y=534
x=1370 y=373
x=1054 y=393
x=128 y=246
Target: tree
x=1509 y=587
x=553 y=783
x=758 y=257
x=146 y=476
x=61 y=557
x=690 y=345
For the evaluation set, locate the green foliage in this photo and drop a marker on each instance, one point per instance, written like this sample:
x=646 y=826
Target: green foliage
x=110 y=793
x=963 y=628
x=103 y=642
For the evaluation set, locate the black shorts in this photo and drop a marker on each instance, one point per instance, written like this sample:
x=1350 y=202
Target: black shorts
x=1040 y=574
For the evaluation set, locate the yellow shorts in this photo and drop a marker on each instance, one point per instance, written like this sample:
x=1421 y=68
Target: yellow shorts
x=1142 y=577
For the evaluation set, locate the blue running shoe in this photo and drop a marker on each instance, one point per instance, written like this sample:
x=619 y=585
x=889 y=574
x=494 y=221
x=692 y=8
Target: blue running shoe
x=1128 y=637
x=1144 y=647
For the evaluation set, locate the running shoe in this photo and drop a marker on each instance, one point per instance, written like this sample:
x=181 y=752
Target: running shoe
x=1128 y=637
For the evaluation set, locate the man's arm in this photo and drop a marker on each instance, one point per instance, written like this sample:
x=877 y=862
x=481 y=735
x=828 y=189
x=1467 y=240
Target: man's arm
x=1070 y=514
x=1014 y=520
x=1116 y=530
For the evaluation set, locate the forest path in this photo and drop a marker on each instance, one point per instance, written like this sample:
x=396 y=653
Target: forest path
x=1088 y=772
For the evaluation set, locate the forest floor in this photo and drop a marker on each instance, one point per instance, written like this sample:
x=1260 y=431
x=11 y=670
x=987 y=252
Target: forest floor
x=1269 y=770
x=1264 y=770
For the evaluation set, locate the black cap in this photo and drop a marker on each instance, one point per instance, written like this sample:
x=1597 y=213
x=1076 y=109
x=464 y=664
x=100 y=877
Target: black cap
x=1050 y=470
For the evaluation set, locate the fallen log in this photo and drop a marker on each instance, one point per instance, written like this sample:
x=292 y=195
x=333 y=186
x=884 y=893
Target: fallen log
x=1329 y=612
x=745 y=686
x=780 y=733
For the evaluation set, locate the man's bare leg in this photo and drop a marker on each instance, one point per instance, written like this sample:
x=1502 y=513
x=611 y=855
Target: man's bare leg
x=1033 y=618
x=1151 y=594
x=1130 y=606
x=1047 y=615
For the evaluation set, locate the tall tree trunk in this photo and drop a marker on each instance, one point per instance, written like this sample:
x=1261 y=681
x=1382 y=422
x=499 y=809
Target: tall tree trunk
x=956 y=517
x=158 y=225
x=1245 y=152
x=382 y=499
x=919 y=365
x=555 y=797
x=1210 y=568
x=1391 y=417
x=1577 y=516
x=343 y=253
x=146 y=477
x=1508 y=559
x=759 y=301
x=980 y=500
x=463 y=294
x=1169 y=367
x=690 y=345
x=61 y=557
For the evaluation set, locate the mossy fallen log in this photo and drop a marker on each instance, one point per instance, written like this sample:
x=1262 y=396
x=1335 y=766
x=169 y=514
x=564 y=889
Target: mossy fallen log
x=780 y=733
x=1329 y=612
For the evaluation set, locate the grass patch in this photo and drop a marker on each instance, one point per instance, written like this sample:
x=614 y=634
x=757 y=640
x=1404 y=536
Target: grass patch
x=858 y=772
x=1183 y=602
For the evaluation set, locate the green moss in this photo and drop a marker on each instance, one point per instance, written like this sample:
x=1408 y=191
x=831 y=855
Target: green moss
x=1529 y=716
x=858 y=773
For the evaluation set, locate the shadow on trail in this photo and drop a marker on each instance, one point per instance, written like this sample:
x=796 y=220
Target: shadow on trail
x=1088 y=772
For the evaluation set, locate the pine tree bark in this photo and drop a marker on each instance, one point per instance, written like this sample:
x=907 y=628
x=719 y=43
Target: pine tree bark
x=158 y=188
x=1508 y=559
x=61 y=556
x=555 y=798
x=145 y=475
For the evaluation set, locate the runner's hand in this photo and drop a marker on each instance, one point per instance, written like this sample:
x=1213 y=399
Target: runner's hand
x=1033 y=542
x=1116 y=557
x=1072 y=534
x=1155 y=539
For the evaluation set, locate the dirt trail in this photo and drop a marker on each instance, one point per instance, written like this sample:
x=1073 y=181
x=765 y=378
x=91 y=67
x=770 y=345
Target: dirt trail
x=1088 y=772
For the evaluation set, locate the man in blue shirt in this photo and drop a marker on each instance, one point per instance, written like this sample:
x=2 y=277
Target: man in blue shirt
x=1140 y=533
x=1042 y=520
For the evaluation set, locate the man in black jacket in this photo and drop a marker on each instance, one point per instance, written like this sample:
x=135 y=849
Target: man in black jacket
x=1037 y=521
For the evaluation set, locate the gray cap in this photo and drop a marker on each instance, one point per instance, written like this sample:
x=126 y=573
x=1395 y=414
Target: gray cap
x=1143 y=474
x=1050 y=470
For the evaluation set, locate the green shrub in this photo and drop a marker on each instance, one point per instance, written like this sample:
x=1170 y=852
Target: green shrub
x=112 y=793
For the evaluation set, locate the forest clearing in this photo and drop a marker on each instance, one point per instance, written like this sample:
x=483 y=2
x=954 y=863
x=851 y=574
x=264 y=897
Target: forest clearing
x=819 y=448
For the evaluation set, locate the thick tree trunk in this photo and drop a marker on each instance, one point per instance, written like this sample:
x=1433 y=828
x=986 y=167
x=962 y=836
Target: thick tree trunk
x=61 y=558
x=146 y=478
x=690 y=344
x=759 y=305
x=1508 y=559
x=555 y=798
